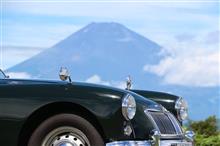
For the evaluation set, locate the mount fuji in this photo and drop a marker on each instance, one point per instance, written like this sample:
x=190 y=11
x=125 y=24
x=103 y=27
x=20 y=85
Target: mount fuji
x=112 y=51
x=99 y=48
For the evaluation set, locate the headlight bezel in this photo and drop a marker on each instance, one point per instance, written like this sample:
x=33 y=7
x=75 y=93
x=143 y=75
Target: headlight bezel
x=128 y=107
x=181 y=107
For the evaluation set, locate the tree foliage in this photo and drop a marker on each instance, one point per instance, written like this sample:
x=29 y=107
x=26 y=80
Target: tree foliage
x=207 y=127
x=201 y=140
x=207 y=133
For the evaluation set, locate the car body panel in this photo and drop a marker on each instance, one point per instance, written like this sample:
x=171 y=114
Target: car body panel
x=19 y=99
x=165 y=99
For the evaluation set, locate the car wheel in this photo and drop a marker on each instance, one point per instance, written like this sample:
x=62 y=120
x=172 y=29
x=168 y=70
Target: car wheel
x=65 y=130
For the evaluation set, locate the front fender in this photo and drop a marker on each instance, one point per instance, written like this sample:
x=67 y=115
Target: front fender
x=165 y=99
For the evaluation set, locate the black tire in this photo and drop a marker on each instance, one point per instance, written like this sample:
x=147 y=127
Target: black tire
x=61 y=120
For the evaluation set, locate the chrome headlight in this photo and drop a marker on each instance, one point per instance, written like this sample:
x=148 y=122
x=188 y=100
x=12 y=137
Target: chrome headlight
x=182 y=109
x=128 y=107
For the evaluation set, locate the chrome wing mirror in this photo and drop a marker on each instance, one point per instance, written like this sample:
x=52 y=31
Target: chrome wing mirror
x=64 y=74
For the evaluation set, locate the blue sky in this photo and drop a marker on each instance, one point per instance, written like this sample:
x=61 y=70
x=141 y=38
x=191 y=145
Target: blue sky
x=188 y=30
x=47 y=23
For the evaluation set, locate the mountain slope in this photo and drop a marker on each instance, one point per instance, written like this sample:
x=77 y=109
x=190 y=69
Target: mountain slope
x=112 y=51
x=105 y=46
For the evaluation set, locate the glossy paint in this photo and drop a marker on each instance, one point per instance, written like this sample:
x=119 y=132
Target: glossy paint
x=26 y=103
x=165 y=99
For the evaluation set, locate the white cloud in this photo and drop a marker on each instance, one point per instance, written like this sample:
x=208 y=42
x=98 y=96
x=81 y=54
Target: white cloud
x=119 y=84
x=12 y=55
x=192 y=62
x=126 y=8
x=197 y=70
x=161 y=13
x=19 y=75
x=69 y=17
x=41 y=35
x=96 y=79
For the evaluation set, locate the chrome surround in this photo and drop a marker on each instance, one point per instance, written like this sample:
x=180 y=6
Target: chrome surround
x=179 y=108
x=175 y=142
x=124 y=108
x=151 y=119
x=153 y=110
x=177 y=126
x=128 y=130
x=129 y=143
x=175 y=123
x=149 y=143
x=155 y=138
x=189 y=135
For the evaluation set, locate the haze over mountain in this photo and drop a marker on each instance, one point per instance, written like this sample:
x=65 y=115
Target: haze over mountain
x=94 y=49
x=112 y=51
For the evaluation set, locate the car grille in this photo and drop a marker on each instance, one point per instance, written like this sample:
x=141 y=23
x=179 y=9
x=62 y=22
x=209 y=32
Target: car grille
x=166 y=123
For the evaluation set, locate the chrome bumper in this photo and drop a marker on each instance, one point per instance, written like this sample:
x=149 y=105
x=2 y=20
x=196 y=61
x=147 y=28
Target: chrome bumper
x=129 y=143
x=148 y=143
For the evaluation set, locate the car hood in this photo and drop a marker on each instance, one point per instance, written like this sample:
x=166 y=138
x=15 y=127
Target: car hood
x=157 y=96
x=99 y=90
x=147 y=103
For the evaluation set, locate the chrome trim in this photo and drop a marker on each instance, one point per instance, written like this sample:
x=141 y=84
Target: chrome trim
x=189 y=135
x=149 y=143
x=129 y=143
x=175 y=123
x=175 y=143
x=155 y=138
x=168 y=136
x=171 y=136
x=124 y=108
x=151 y=119
x=179 y=98
x=153 y=110
x=179 y=108
x=128 y=130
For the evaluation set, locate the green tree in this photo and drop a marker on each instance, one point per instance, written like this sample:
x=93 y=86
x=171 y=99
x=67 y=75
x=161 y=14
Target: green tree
x=206 y=128
x=207 y=133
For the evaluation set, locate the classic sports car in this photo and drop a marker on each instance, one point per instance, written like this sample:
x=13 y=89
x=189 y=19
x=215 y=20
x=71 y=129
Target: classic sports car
x=66 y=113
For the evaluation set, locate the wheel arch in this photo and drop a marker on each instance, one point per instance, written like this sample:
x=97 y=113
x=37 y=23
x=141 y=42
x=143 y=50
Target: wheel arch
x=51 y=109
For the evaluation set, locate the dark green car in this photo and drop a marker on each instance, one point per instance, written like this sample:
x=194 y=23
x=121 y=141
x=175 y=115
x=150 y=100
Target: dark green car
x=61 y=113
